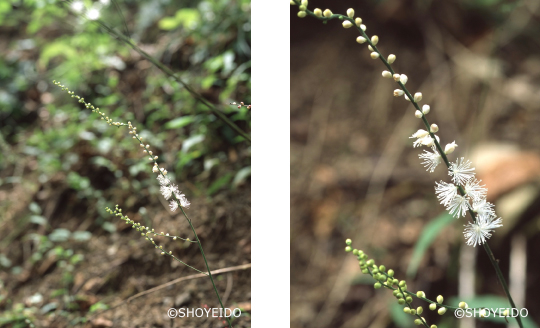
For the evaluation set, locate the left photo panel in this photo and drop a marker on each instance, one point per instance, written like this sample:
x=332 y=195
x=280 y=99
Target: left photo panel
x=125 y=163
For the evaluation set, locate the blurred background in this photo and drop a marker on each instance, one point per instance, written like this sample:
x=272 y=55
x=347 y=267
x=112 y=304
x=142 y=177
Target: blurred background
x=62 y=257
x=355 y=174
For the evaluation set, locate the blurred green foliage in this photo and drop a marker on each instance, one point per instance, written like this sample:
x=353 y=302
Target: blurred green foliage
x=50 y=142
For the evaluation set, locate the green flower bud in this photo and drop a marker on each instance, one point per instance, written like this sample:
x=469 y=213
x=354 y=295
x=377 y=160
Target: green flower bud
x=420 y=294
x=442 y=311
x=407 y=310
x=462 y=305
x=377 y=285
x=402 y=283
x=395 y=292
x=401 y=301
x=432 y=306
x=399 y=295
x=348 y=249
x=382 y=277
x=382 y=268
x=417 y=322
x=419 y=310
x=375 y=271
x=440 y=299
x=413 y=311
x=395 y=282
x=370 y=262
x=390 y=273
x=348 y=242
x=355 y=251
x=365 y=271
x=433 y=326
x=408 y=299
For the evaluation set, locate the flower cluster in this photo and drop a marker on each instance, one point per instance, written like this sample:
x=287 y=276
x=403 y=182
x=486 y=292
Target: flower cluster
x=168 y=189
x=241 y=104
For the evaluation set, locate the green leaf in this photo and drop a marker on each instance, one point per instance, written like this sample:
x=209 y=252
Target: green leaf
x=179 y=122
x=38 y=219
x=60 y=235
x=428 y=235
x=224 y=180
x=81 y=235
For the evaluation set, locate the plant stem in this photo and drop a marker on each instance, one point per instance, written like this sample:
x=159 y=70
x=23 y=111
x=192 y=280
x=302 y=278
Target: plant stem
x=437 y=145
x=206 y=263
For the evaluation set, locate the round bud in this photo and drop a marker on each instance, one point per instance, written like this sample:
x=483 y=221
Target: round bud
x=327 y=13
x=398 y=93
x=425 y=109
x=417 y=97
x=432 y=306
x=399 y=295
x=363 y=27
x=419 y=310
x=374 y=55
x=433 y=326
x=374 y=40
x=348 y=242
x=386 y=74
x=317 y=12
x=401 y=301
x=440 y=299
x=406 y=309
x=391 y=59
x=348 y=249
x=434 y=128
x=301 y=8
x=358 y=21
x=390 y=273
x=408 y=299
x=442 y=311
x=462 y=305
x=360 y=39
x=413 y=311
x=382 y=268
x=420 y=294
x=403 y=78
x=377 y=285
x=347 y=24
x=350 y=12
x=417 y=322
x=418 y=114
x=402 y=283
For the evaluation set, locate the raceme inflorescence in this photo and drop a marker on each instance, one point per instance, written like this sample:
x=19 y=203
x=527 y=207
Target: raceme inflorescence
x=464 y=194
x=169 y=190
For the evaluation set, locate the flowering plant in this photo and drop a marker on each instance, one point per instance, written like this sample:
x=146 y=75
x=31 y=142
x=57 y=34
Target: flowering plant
x=463 y=195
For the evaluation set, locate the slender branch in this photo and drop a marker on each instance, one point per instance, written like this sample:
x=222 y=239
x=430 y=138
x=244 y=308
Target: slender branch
x=206 y=263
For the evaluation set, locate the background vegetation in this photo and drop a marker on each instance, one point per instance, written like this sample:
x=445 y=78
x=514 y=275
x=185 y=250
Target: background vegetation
x=354 y=173
x=62 y=257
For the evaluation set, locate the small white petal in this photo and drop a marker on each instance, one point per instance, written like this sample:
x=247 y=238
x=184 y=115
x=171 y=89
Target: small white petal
x=461 y=171
x=477 y=233
x=445 y=192
x=458 y=206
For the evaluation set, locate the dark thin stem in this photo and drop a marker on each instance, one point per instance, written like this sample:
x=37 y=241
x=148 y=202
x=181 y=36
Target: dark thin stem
x=206 y=263
x=437 y=145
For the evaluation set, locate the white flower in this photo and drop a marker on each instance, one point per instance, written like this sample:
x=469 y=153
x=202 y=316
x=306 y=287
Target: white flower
x=458 y=206
x=163 y=181
x=445 y=192
x=173 y=205
x=431 y=159
x=461 y=171
x=179 y=198
x=483 y=208
x=474 y=190
x=183 y=200
x=168 y=190
x=477 y=233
